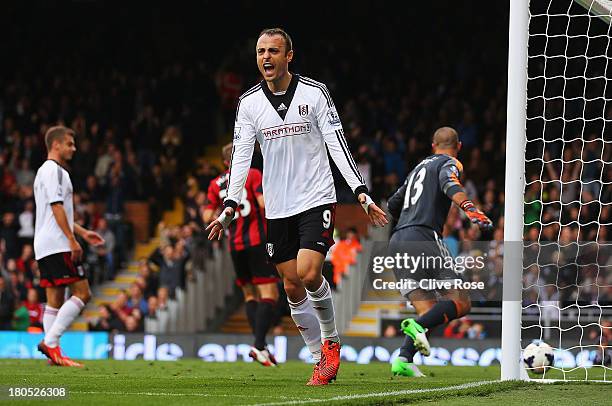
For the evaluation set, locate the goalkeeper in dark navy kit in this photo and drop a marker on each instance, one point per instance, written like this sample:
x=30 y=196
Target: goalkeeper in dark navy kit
x=420 y=207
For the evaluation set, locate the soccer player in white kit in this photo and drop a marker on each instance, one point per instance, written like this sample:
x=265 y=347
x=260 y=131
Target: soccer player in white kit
x=295 y=121
x=56 y=249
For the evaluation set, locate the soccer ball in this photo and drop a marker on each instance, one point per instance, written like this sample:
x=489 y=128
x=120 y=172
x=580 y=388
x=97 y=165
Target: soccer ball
x=538 y=356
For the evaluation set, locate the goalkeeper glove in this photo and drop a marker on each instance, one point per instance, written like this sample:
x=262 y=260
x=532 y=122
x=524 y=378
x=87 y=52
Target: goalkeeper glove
x=475 y=215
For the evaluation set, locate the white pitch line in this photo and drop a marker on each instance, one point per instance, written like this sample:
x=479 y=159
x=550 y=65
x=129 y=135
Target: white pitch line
x=202 y=395
x=295 y=402
x=319 y=400
x=380 y=394
x=548 y=380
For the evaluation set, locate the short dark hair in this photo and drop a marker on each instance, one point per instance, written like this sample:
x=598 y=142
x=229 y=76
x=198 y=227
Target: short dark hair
x=282 y=33
x=445 y=137
x=56 y=133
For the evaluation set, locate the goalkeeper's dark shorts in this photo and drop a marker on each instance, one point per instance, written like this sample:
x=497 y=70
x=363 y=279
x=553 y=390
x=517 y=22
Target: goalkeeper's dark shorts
x=426 y=246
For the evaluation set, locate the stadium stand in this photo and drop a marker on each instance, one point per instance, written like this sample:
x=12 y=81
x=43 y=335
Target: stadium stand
x=150 y=121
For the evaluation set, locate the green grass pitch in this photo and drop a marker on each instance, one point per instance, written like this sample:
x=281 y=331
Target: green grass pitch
x=198 y=382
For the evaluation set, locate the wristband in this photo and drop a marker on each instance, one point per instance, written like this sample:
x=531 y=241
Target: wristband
x=467 y=205
x=230 y=203
x=225 y=220
x=361 y=189
x=367 y=203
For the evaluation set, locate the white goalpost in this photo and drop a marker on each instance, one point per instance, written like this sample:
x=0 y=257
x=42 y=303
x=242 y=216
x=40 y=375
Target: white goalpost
x=557 y=281
x=513 y=211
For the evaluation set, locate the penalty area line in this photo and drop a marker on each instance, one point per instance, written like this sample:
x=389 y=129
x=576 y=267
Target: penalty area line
x=382 y=394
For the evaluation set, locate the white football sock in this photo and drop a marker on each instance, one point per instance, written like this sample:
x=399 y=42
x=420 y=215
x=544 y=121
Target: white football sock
x=323 y=305
x=65 y=316
x=306 y=321
x=49 y=316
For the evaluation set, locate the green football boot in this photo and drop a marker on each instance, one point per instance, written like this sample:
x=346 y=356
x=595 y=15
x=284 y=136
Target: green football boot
x=403 y=368
x=413 y=329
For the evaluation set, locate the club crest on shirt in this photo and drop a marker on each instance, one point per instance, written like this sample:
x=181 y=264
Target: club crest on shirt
x=236 y=133
x=333 y=117
x=303 y=110
x=270 y=248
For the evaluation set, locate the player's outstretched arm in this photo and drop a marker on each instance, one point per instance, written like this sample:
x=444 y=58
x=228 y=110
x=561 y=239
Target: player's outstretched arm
x=377 y=216
x=242 y=153
x=220 y=223
x=476 y=216
x=333 y=136
x=91 y=237
x=451 y=185
x=345 y=163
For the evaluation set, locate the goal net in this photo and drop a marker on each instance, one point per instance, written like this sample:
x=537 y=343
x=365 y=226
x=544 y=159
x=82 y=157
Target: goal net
x=567 y=212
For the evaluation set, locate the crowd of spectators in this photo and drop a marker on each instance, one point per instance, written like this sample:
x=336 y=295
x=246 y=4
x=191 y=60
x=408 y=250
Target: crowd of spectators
x=149 y=305
x=122 y=154
x=131 y=126
x=141 y=125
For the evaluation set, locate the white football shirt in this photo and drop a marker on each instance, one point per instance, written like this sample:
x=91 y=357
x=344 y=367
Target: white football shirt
x=295 y=131
x=51 y=185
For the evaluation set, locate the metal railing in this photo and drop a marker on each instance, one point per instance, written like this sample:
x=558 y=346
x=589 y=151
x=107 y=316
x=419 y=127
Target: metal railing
x=210 y=281
x=348 y=295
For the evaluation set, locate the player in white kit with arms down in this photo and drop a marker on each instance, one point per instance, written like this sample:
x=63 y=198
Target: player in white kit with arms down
x=57 y=251
x=295 y=121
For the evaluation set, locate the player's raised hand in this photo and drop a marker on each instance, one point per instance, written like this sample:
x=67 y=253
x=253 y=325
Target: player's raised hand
x=476 y=216
x=220 y=223
x=377 y=216
x=93 y=238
